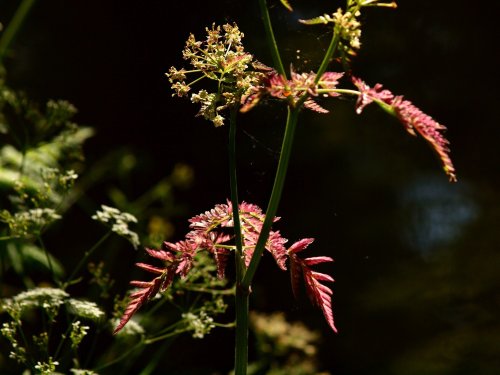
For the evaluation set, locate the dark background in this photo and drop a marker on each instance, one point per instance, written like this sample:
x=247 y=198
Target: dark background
x=416 y=258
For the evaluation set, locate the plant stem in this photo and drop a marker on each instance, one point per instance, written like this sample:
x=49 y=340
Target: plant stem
x=241 y=351
x=271 y=40
x=242 y=294
x=15 y=24
x=124 y=355
x=279 y=181
x=233 y=183
x=165 y=336
x=84 y=259
x=47 y=255
x=286 y=149
x=334 y=42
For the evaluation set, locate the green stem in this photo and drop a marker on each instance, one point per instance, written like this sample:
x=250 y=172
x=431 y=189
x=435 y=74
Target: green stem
x=47 y=255
x=165 y=336
x=328 y=56
x=279 y=181
x=233 y=182
x=241 y=350
x=271 y=40
x=242 y=294
x=85 y=259
x=10 y=32
x=127 y=353
x=63 y=339
x=226 y=292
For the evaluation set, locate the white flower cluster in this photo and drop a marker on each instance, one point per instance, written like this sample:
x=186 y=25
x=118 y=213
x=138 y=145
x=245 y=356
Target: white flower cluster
x=118 y=221
x=48 y=298
x=47 y=368
x=200 y=324
x=28 y=222
x=85 y=309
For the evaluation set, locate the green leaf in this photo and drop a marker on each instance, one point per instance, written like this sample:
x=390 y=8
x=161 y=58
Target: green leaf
x=286 y=4
x=33 y=255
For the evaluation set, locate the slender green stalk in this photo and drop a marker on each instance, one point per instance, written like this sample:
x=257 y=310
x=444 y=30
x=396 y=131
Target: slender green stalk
x=233 y=182
x=271 y=40
x=286 y=148
x=165 y=336
x=328 y=56
x=85 y=259
x=47 y=255
x=243 y=288
x=242 y=294
x=215 y=292
x=241 y=351
x=279 y=181
x=124 y=355
x=14 y=26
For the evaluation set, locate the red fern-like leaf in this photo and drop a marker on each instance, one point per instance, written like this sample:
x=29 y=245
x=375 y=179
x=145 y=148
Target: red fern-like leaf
x=319 y=294
x=313 y=106
x=211 y=231
x=147 y=291
x=413 y=119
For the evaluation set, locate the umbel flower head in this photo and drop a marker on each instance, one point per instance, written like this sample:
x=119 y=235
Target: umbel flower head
x=212 y=232
x=221 y=58
x=346 y=24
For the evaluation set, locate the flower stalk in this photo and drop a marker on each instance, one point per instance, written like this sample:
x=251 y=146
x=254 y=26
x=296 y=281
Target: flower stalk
x=242 y=293
x=14 y=26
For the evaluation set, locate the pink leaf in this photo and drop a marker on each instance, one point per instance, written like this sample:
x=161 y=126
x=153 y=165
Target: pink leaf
x=319 y=294
x=412 y=118
x=150 y=268
x=316 y=260
x=138 y=299
x=313 y=106
x=300 y=245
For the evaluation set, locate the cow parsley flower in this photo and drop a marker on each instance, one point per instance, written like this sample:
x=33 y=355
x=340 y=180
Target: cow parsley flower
x=118 y=222
x=85 y=309
x=201 y=323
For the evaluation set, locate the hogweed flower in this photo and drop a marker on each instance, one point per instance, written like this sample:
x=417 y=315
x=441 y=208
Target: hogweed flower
x=413 y=119
x=221 y=57
x=209 y=233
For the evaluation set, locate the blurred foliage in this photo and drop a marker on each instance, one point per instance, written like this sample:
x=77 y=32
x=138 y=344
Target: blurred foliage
x=284 y=348
x=41 y=158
